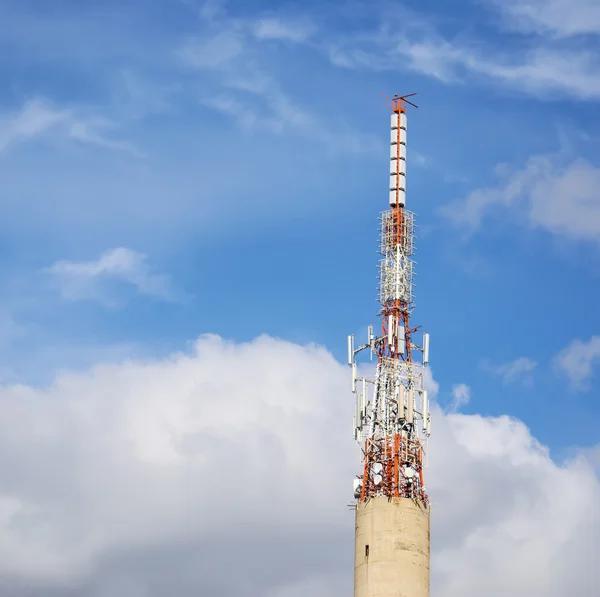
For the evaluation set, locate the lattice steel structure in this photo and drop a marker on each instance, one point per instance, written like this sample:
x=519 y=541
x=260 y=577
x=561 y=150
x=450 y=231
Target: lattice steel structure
x=392 y=420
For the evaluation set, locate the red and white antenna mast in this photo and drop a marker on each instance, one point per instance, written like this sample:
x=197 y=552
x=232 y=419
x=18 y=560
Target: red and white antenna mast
x=392 y=420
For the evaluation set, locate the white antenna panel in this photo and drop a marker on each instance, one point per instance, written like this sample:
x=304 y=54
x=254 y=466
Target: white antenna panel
x=401 y=402
x=425 y=349
x=400 y=199
x=397 y=151
x=363 y=399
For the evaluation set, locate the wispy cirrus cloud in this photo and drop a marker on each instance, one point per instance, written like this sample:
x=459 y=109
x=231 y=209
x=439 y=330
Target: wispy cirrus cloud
x=229 y=53
x=517 y=370
x=230 y=57
x=408 y=42
x=135 y=96
x=561 y=18
x=274 y=28
x=90 y=280
x=39 y=117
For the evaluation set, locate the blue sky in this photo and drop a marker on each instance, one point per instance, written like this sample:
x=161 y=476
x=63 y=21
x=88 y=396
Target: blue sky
x=189 y=203
x=175 y=168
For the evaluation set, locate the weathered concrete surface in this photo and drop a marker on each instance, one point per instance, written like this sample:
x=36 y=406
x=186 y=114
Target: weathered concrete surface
x=396 y=561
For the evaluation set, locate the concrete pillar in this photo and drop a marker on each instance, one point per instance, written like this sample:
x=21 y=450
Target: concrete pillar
x=391 y=557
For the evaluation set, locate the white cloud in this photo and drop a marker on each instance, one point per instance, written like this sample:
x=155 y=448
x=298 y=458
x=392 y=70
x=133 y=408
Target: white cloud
x=35 y=118
x=577 y=360
x=408 y=43
x=491 y=516
x=278 y=29
x=160 y=477
x=134 y=97
x=231 y=61
x=563 y=18
x=544 y=70
x=518 y=370
x=230 y=56
x=461 y=396
x=83 y=280
x=38 y=117
x=213 y=52
x=562 y=199
x=153 y=447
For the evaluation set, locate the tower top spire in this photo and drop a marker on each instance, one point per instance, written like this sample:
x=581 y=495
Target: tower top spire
x=398 y=102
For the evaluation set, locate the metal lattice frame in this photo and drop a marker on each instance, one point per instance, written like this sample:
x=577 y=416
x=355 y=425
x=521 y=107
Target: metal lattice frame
x=393 y=426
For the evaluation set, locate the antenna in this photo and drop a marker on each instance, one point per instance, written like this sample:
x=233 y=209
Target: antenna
x=399 y=100
x=393 y=426
x=425 y=349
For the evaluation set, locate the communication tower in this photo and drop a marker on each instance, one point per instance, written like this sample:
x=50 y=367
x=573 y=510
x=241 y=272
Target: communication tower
x=392 y=421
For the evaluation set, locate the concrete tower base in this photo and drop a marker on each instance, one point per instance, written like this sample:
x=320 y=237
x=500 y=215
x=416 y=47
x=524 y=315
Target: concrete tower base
x=391 y=557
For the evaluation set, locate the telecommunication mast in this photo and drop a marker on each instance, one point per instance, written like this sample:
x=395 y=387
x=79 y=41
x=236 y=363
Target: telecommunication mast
x=392 y=421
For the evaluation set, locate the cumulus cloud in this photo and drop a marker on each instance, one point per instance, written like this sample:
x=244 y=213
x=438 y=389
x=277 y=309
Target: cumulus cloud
x=577 y=360
x=562 y=199
x=161 y=477
x=209 y=454
x=498 y=497
x=518 y=370
x=87 y=280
